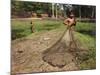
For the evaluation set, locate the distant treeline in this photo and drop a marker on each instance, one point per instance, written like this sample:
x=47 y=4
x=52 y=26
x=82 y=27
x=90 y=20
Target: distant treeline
x=54 y=10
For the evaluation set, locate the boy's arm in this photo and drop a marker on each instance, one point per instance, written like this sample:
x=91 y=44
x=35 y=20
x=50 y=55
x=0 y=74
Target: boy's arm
x=66 y=22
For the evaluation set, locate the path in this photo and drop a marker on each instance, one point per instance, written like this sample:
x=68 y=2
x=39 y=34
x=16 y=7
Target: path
x=27 y=54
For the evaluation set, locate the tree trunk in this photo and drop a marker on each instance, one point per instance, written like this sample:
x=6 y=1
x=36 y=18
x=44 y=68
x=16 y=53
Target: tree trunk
x=56 y=12
x=80 y=12
x=64 y=10
x=93 y=11
x=53 y=10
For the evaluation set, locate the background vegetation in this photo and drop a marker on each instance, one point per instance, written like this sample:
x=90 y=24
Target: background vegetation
x=25 y=9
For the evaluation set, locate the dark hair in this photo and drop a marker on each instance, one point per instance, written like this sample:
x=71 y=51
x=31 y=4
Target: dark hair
x=70 y=12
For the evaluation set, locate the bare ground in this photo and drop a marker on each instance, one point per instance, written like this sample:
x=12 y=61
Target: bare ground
x=30 y=54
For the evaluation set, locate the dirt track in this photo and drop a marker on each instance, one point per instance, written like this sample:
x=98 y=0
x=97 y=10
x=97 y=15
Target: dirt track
x=28 y=54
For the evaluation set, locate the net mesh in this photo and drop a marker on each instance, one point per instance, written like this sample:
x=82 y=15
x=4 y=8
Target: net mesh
x=64 y=51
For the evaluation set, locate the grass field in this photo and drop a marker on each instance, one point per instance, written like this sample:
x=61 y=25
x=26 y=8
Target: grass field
x=85 y=32
x=23 y=28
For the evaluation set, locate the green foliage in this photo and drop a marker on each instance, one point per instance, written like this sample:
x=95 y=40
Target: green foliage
x=46 y=25
x=87 y=61
x=86 y=35
x=20 y=29
x=86 y=28
x=23 y=28
x=22 y=7
x=89 y=64
x=80 y=10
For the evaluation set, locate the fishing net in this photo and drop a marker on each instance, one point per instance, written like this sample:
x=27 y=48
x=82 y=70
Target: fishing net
x=64 y=51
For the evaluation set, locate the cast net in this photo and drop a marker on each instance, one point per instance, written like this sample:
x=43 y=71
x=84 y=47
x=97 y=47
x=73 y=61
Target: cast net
x=64 y=51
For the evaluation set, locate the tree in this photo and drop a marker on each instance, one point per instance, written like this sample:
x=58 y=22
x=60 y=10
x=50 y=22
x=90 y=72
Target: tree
x=80 y=12
x=25 y=9
x=53 y=10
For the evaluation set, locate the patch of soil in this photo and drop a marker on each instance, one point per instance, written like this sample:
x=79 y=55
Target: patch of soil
x=58 y=59
x=33 y=55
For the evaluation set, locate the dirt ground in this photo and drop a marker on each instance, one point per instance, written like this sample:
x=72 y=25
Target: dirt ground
x=32 y=54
